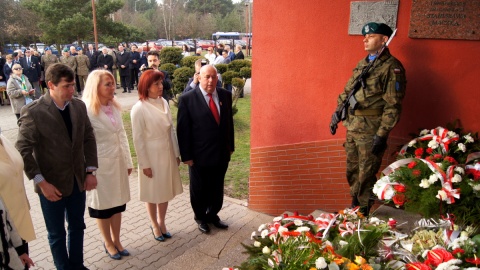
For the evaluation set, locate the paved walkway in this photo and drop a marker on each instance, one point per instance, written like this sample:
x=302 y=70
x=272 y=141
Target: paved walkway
x=188 y=249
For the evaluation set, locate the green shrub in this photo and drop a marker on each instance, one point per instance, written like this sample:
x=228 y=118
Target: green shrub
x=181 y=76
x=237 y=82
x=171 y=55
x=221 y=68
x=236 y=65
x=228 y=76
x=189 y=61
x=246 y=72
x=170 y=68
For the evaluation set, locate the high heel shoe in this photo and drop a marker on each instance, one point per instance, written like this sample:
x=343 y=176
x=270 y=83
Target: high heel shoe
x=160 y=238
x=114 y=256
x=166 y=235
x=123 y=252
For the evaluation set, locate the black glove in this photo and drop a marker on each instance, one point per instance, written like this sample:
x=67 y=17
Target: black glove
x=333 y=123
x=379 y=144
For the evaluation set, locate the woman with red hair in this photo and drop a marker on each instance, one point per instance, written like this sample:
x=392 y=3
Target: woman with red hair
x=157 y=150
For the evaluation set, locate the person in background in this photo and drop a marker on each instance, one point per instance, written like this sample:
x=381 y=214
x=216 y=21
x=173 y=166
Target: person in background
x=377 y=113
x=238 y=52
x=92 y=55
x=210 y=55
x=111 y=51
x=57 y=144
x=193 y=82
x=107 y=202
x=83 y=67
x=134 y=66
x=157 y=150
x=69 y=60
x=14 y=196
x=73 y=51
x=230 y=54
x=46 y=61
x=19 y=90
x=153 y=61
x=206 y=140
x=185 y=50
x=198 y=52
x=105 y=60
x=8 y=67
x=33 y=70
x=3 y=81
x=123 y=64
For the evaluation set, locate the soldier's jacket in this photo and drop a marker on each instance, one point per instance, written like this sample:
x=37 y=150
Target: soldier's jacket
x=48 y=60
x=83 y=64
x=384 y=92
x=69 y=61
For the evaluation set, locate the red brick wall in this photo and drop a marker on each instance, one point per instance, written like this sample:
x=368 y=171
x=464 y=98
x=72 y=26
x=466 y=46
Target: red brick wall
x=303 y=177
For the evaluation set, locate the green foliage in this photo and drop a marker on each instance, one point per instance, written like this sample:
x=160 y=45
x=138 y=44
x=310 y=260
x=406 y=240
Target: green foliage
x=221 y=68
x=228 y=76
x=222 y=7
x=189 y=61
x=366 y=247
x=236 y=65
x=246 y=72
x=180 y=78
x=171 y=55
x=237 y=82
x=169 y=67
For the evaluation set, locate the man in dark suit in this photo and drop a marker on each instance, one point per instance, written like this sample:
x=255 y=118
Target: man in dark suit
x=57 y=144
x=105 y=61
x=134 y=66
x=206 y=141
x=33 y=70
x=92 y=57
x=238 y=52
x=123 y=63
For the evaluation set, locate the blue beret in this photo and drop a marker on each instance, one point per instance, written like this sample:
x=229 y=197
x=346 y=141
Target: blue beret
x=47 y=48
x=79 y=48
x=377 y=28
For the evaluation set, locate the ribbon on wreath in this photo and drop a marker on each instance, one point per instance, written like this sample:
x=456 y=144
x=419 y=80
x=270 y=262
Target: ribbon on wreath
x=346 y=228
x=440 y=135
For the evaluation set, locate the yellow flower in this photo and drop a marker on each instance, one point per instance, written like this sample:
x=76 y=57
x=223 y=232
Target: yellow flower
x=366 y=267
x=352 y=266
x=313 y=268
x=360 y=260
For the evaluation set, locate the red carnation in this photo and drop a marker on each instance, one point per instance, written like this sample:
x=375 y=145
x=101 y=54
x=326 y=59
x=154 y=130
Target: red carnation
x=429 y=150
x=437 y=156
x=458 y=250
x=399 y=188
x=412 y=165
x=399 y=199
x=416 y=173
x=451 y=160
x=419 y=152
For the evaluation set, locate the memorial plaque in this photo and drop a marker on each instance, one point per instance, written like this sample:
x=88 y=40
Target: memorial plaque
x=445 y=19
x=378 y=11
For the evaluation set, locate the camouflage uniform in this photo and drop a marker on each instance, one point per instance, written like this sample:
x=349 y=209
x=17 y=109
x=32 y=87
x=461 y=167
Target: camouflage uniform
x=379 y=107
x=48 y=60
x=83 y=68
x=69 y=61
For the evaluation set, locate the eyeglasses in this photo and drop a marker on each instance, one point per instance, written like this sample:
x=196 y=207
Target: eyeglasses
x=17 y=68
x=27 y=52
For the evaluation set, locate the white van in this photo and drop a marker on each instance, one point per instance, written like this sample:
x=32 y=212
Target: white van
x=39 y=47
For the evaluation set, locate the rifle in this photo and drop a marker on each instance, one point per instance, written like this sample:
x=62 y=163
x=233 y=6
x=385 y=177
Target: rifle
x=350 y=101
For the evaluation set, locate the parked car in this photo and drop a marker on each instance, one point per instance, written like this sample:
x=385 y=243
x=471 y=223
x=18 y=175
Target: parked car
x=205 y=44
x=10 y=48
x=39 y=47
x=154 y=44
x=54 y=50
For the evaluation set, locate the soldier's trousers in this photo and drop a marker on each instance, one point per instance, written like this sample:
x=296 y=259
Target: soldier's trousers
x=362 y=165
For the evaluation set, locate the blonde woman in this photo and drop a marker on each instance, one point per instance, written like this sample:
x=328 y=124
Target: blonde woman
x=108 y=201
x=19 y=90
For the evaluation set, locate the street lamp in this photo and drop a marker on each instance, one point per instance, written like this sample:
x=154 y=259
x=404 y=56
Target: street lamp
x=136 y=5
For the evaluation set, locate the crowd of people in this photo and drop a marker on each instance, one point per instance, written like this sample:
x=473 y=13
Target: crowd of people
x=76 y=151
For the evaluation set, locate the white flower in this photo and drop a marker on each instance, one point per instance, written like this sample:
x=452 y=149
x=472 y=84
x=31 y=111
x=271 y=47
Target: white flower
x=459 y=170
x=266 y=250
x=433 y=178
x=425 y=183
x=264 y=233
x=412 y=143
x=439 y=164
x=433 y=144
x=277 y=219
x=257 y=244
x=468 y=138
x=320 y=263
x=424 y=132
x=462 y=147
x=476 y=187
x=456 y=178
x=303 y=229
x=383 y=188
x=252 y=235
x=282 y=229
x=342 y=243
x=449 y=265
x=271 y=263
x=374 y=220
x=451 y=134
x=262 y=227
x=298 y=222
x=441 y=195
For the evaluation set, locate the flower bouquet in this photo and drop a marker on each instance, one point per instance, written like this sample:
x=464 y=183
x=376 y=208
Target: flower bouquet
x=436 y=174
x=347 y=241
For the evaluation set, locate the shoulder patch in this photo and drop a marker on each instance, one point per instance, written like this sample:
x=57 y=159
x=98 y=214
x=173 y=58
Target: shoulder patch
x=397 y=71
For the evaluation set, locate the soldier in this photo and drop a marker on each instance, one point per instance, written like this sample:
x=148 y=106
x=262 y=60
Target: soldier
x=69 y=60
x=378 y=111
x=47 y=60
x=83 y=67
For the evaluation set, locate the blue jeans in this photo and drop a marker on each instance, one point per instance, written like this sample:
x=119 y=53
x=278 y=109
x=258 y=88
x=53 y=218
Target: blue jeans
x=72 y=208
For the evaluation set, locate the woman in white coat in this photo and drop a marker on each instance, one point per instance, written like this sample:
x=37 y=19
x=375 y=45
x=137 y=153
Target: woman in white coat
x=157 y=151
x=107 y=202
